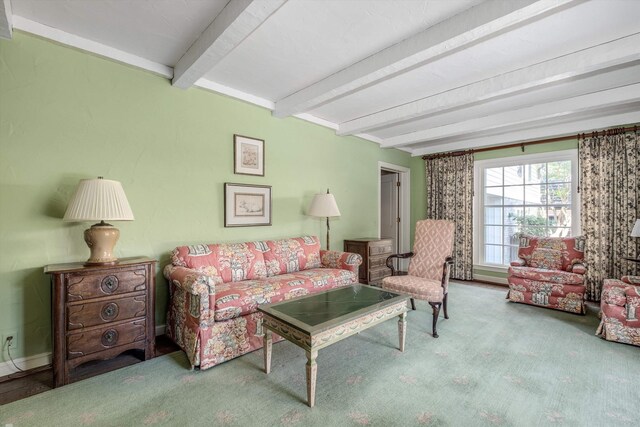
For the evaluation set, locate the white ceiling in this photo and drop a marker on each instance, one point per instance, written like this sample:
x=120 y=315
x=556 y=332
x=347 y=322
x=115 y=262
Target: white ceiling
x=423 y=76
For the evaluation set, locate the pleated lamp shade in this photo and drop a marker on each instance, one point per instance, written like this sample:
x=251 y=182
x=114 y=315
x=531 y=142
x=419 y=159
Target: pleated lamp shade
x=99 y=200
x=636 y=229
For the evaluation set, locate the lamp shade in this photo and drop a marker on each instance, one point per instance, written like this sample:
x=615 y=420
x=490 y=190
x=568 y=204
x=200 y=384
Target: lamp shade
x=99 y=200
x=636 y=229
x=324 y=205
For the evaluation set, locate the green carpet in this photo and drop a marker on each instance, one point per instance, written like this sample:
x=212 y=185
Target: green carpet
x=495 y=363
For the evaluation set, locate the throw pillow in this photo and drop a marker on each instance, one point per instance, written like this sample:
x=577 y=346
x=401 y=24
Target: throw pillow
x=549 y=259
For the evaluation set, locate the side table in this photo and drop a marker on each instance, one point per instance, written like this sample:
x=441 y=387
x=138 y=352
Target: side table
x=101 y=311
x=374 y=254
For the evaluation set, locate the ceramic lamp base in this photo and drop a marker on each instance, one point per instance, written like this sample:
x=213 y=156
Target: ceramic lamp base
x=101 y=239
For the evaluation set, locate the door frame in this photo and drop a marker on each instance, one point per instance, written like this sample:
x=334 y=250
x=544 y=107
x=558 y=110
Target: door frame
x=404 y=208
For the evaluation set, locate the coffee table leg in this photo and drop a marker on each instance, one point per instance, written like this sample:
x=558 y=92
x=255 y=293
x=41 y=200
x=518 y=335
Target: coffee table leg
x=402 y=329
x=267 y=350
x=312 y=370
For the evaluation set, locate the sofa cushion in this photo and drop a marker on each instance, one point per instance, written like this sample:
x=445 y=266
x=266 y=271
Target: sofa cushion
x=572 y=248
x=540 y=274
x=239 y=298
x=549 y=259
x=291 y=255
x=233 y=262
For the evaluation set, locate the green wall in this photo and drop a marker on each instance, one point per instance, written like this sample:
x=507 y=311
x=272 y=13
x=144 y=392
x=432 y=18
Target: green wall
x=67 y=115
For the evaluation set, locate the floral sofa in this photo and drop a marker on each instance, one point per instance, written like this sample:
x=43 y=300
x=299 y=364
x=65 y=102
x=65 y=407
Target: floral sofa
x=215 y=290
x=620 y=310
x=549 y=273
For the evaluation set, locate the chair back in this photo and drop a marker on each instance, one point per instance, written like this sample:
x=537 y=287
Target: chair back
x=570 y=248
x=433 y=244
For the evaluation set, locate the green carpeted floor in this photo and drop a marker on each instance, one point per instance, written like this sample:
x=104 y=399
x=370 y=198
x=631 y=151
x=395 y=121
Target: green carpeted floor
x=495 y=363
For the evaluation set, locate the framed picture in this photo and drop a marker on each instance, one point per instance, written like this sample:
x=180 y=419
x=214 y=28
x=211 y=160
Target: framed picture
x=246 y=205
x=248 y=155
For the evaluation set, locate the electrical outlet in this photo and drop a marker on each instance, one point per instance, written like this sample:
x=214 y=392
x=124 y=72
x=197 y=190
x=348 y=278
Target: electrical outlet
x=15 y=342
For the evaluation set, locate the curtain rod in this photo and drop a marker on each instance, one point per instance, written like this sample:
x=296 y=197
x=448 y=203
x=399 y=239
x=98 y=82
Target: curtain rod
x=612 y=131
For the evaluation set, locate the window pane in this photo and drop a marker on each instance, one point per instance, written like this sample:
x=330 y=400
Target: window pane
x=514 y=195
x=510 y=254
x=537 y=231
x=493 y=216
x=559 y=216
x=559 y=194
x=535 y=194
x=535 y=173
x=493 y=234
x=535 y=221
x=561 y=232
x=493 y=196
x=514 y=175
x=509 y=233
x=559 y=171
x=513 y=215
x=493 y=254
x=492 y=176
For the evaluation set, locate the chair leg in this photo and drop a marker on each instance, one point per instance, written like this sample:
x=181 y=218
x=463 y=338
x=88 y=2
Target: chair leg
x=444 y=305
x=436 y=312
x=413 y=304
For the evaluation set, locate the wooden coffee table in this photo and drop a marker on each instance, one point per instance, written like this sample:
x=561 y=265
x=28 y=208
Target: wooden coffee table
x=316 y=321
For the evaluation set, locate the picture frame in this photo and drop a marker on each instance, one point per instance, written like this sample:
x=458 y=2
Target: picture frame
x=248 y=155
x=246 y=205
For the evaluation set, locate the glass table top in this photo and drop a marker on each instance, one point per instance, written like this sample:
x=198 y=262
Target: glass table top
x=326 y=309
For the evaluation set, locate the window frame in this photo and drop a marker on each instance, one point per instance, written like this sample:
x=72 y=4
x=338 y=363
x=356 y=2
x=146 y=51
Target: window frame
x=478 y=199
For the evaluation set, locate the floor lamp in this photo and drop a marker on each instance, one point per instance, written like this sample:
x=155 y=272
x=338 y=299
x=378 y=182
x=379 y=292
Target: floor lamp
x=324 y=205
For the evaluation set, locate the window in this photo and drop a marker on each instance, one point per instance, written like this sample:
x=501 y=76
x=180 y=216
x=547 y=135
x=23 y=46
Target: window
x=536 y=194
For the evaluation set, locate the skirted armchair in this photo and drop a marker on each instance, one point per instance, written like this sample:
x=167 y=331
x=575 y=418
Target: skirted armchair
x=620 y=310
x=549 y=273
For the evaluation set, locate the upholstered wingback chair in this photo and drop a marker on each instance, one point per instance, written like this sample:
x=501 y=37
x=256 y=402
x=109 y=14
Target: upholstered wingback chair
x=620 y=310
x=549 y=273
x=429 y=266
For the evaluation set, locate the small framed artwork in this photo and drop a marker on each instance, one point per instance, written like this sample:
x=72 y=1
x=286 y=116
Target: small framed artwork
x=248 y=155
x=246 y=205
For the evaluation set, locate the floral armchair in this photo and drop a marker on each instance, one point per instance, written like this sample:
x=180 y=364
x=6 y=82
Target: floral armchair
x=549 y=273
x=620 y=310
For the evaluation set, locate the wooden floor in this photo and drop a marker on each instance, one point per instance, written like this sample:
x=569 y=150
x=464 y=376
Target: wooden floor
x=20 y=385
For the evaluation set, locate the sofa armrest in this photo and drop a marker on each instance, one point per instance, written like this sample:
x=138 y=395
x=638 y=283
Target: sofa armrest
x=632 y=280
x=198 y=286
x=614 y=293
x=578 y=268
x=518 y=263
x=342 y=260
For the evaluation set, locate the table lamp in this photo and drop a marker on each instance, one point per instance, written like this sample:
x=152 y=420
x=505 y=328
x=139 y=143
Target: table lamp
x=324 y=205
x=99 y=200
x=636 y=229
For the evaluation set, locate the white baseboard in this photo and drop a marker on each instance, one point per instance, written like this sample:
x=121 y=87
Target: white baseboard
x=24 y=363
x=492 y=279
x=32 y=362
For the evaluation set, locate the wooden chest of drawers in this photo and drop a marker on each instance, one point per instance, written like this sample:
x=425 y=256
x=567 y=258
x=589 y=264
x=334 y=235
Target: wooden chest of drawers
x=100 y=312
x=374 y=254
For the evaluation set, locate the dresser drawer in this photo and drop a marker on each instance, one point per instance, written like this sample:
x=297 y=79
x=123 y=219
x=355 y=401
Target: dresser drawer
x=378 y=261
x=99 y=284
x=378 y=274
x=380 y=249
x=88 y=314
x=99 y=339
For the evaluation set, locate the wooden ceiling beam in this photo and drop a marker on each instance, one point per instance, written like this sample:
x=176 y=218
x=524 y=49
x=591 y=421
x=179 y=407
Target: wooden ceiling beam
x=6 y=18
x=606 y=99
x=463 y=30
x=232 y=26
x=597 y=59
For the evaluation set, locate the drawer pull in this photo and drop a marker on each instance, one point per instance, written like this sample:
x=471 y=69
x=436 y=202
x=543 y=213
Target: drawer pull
x=110 y=311
x=109 y=284
x=109 y=338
